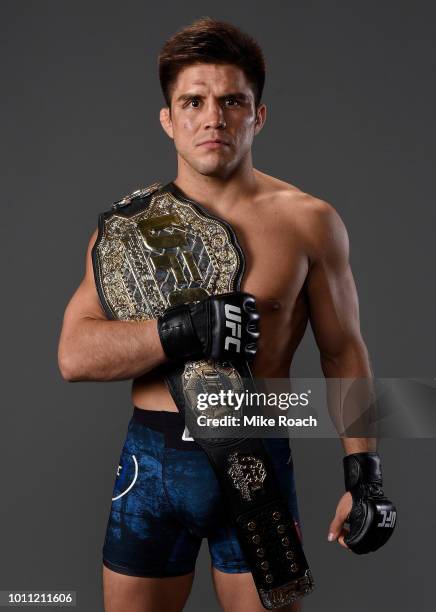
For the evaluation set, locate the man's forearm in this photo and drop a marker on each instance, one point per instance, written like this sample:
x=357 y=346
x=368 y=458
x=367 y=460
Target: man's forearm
x=100 y=350
x=359 y=445
x=351 y=397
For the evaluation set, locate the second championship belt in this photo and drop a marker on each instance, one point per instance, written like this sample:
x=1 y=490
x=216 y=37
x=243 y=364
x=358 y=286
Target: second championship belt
x=156 y=249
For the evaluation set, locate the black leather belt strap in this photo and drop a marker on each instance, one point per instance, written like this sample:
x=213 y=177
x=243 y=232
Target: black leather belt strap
x=264 y=524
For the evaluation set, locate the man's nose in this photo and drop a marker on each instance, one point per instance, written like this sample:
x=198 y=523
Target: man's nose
x=214 y=117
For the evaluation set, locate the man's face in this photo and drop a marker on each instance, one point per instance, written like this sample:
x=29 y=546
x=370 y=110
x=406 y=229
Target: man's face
x=213 y=118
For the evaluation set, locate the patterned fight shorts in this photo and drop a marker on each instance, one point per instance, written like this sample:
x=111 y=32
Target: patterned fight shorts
x=166 y=499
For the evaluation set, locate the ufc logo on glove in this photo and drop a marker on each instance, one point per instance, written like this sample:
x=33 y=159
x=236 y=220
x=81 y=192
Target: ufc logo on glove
x=233 y=320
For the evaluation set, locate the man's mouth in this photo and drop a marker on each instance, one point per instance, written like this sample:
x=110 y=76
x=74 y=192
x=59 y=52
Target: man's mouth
x=213 y=143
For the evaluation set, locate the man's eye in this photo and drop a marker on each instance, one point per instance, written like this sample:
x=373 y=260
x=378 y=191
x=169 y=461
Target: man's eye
x=230 y=101
x=195 y=102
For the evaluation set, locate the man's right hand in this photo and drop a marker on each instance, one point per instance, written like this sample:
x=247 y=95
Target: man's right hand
x=221 y=327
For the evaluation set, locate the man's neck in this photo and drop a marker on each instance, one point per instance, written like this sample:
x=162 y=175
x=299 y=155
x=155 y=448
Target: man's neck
x=214 y=192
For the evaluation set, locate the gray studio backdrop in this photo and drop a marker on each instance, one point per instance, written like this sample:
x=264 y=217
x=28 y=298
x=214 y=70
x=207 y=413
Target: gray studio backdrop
x=351 y=97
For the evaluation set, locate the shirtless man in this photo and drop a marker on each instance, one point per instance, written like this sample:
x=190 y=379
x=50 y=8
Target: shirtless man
x=297 y=267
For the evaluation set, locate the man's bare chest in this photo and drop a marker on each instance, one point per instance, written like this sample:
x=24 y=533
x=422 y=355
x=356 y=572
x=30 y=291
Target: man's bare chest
x=276 y=263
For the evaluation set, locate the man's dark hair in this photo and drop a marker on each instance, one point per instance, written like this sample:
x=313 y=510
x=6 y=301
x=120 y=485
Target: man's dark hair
x=209 y=41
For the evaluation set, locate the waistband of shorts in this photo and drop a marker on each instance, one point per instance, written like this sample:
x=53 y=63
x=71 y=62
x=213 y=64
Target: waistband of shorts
x=170 y=424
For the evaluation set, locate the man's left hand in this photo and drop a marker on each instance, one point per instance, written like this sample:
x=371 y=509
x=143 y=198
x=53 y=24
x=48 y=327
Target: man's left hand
x=337 y=531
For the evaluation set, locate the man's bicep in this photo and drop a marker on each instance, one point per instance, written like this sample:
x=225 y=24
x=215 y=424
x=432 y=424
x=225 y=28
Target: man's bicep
x=85 y=302
x=331 y=291
x=333 y=306
x=332 y=295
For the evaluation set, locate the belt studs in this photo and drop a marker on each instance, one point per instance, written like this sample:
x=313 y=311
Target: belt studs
x=276 y=516
x=285 y=541
x=251 y=525
x=289 y=554
x=264 y=565
x=281 y=528
x=260 y=552
x=269 y=578
x=294 y=567
x=255 y=539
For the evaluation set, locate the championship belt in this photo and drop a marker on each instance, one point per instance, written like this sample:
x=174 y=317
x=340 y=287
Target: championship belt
x=156 y=249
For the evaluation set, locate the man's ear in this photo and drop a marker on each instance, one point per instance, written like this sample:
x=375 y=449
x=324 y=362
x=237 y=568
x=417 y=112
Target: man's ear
x=165 y=121
x=260 y=118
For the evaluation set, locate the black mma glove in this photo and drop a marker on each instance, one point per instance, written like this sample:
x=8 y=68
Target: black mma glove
x=221 y=327
x=372 y=518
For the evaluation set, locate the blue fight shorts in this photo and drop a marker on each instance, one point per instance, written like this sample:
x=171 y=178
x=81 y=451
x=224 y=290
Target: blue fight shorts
x=166 y=498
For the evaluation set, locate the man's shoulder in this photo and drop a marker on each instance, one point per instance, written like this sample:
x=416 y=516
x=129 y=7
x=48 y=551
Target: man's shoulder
x=289 y=198
x=315 y=221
